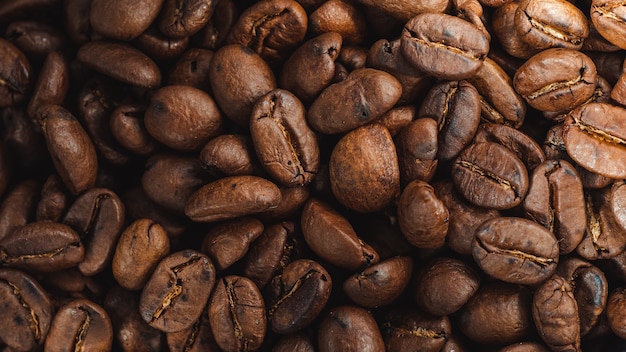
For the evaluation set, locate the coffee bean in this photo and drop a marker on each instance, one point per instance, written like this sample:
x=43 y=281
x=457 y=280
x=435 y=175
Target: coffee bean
x=417 y=149
x=52 y=84
x=121 y=20
x=15 y=75
x=228 y=241
x=524 y=146
x=339 y=17
x=183 y=19
x=53 y=203
x=294 y=342
x=192 y=69
x=128 y=129
x=80 y=324
x=411 y=329
x=230 y=155
x=505 y=31
x=17 y=207
x=197 y=338
x=347 y=328
x=381 y=283
x=606 y=18
x=614 y=312
x=405 y=9
x=160 y=47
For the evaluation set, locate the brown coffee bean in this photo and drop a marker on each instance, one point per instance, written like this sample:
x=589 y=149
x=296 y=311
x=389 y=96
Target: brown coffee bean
x=409 y=329
x=445 y=285
x=159 y=47
x=15 y=75
x=297 y=295
x=340 y=17
x=404 y=10
x=42 y=247
x=346 y=328
x=228 y=241
x=618 y=92
x=381 y=283
x=77 y=24
x=52 y=83
x=80 y=325
x=177 y=291
x=54 y=201
x=555 y=313
x=594 y=138
x=214 y=33
x=422 y=217
x=272 y=28
x=230 y=155
x=232 y=197
x=337 y=109
x=17 y=207
x=604 y=237
x=238 y=78
x=444 y=46
x=526 y=148
x=197 y=338
x=607 y=18
x=180 y=19
x=515 y=250
x=397 y=118
x=72 y=151
x=556 y=201
x=615 y=312
x=237 y=314
x=169 y=180
x=36 y=39
x=128 y=129
x=284 y=143
x=490 y=175
x=503 y=22
x=140 y=248
x=498 y=313
x=121 y=20
x=294 y=343
x=311 y=67
x=374 y=181
x=618 y=202
x=139 y=206
x=291 y=201
x=27 y=311
x=192 y=69
x=417 y=149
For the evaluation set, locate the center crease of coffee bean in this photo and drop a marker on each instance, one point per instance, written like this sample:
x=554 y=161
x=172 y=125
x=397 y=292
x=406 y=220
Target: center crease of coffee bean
x=191 y=338
x=292 y=290
x=417 y=331
x=12 y=87
x=232 y=305
x=444 y=46
x=259 y=23
x=551 y=31
x=95 y=212
x=8 y=259
x=606 y=10
x=82 y=331
x=516 y=253
x=33 y=318
x=558 y=85
x=490 y=175
x=494 y=115
x=597 y=133
x=175 y=291
x=593 y=223
x=446 y=108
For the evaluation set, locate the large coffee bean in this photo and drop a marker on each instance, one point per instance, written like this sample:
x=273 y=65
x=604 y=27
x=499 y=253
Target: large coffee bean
x=122 y=20
x=349 y=328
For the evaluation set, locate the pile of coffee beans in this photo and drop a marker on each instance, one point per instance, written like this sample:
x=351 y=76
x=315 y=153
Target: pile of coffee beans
x=313 y=175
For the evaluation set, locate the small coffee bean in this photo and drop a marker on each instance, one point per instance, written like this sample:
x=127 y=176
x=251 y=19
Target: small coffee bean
x=228 y=241
x=422 y=217
x=339 y=17
x=121 y=20
x=524 y=146
x=128 y=129
x=381 y=283
x=607 y=18
x=15 y=74
x=615 y=312
x=417 y=149
x=52 y=84
x=230 y=155
x=180 y=19
x=347 y=328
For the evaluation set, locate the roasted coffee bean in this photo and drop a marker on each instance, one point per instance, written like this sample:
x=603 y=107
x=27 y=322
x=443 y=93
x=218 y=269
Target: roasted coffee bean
x=340 y=17
x=140 y=248
x=284 y=143
x=397 y=118
x=618 y=202
x=422 y=217
x=128 y=129
x=297 y=295
x=121 y=20
x=180 y=19
x=98 y=218
x=232 y=197
x=331 y=237
x=615 y=312
x=271 y=28
x=555 y=200
x=607 y=18
x=178 y=290
x=36 y=39
x=159 y=47
x=404 y=10
x=490 y=175
x=604 y=237
x=228 y=241
x=80 y=325
x=15 y=75
x=548 y=89
x=292 y=200
x=237 y=314
x=444 y=46
x=406 y=330
x=526 y=148
x=515 y=250
x=294 y=343
x=445 y=285
x=594 y=137
x=121 y=62
x=139 y=206
x=498 y=313
x=349 y=328
x=192 y=69
x=417 y=148
x=214 y=33
x=374 y=181
x=16 y=209
x=197 y=338
x=555 y=313
x=230 y=155
x=379 y=284
x=336 y=110
x=27 y=311
x=503 y=22
x=54 y=201
x=52 y=84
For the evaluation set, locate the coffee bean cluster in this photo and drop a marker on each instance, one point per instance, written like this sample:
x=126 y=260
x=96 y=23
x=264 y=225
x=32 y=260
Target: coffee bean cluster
x=313 y=175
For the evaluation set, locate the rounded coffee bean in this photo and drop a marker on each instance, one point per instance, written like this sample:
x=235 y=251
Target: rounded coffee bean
x=237 y=314
x=339 y=17
x=230 y=155
x=177 y=291
x=417 y=148
x=349 y=328
x=297 y=295
x=228 y=241
x=42 y=247
x=490 y=175
x=53 y=203
x=180 y=19
x=159 y=47
x=338 y=110
x=128 y=129
x=503 y=22
x=555 y=313
x=548 y=89
x=15 y=74
x=192 y=69
x=72 y=151
x=52 y=84
x=444 y=46
x=121 y=20
x=284 y=143
x=615 y=312
x=197 y=338
x=182 y=117
x=381 y=283
x=595 y=137
x=27 y=311
x=422 y=217
x=364 y=171
x=524 y=146
x=232 y=197
x=515 y=250
x=140 y=248
x=410 y=330
x=121 y=62
x=608 y=19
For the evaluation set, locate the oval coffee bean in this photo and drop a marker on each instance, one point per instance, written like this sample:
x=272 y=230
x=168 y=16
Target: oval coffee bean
x=27 y=311
x=524 y=146
x=180 y=19
x=297 y=296
x=42 y=247
x=192 y=69
x=284 y=143
x=72 y=152
x=608 y=19
x=348 y=328
x=15 y=74
x=364 y=171
x=197 y=338
x=177 y=291
x=128 y=129
x=444 y=46
x=237 y=314
x=515 y=250
x=595 y=137
x=139 y=250
x=80 y=325
x=422 y=217
x=604 y=237
x=490 y=175
x=417 y=148
x=232 y=197
x=230 y=155
x=122 y=20
x=381 y=283
x=228 y=241
x=410 y=330
x=52 y=84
